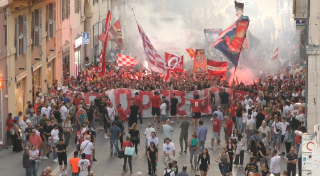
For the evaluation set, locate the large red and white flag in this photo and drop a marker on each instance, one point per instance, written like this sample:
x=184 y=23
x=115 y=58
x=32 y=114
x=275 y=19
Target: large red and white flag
x=217 y=69
x=114 y=34
x=126 y=61
x=152 y=57
x=174 y=62
x=275 y=55
x=102 y=56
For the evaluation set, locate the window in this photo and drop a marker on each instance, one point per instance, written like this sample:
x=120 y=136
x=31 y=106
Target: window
x=51 y=20
x=65 y=9
x=77 y=6
x=95 y=1
x=36 y=33
x=19 y=36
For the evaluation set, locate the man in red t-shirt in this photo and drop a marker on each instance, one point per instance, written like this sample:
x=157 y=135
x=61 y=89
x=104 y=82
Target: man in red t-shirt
x=228 y=126
x=139 y=103
x=196 y=104
x=215 y=130
x=232 y=112
x=155 y=100
x=9 y=124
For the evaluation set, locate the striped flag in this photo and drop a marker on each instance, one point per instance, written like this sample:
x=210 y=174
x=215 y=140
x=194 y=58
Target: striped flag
x=126 y=61
x=275 y=55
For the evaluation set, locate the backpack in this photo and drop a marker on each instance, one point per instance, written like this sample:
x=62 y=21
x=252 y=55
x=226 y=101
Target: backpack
x=167 y=173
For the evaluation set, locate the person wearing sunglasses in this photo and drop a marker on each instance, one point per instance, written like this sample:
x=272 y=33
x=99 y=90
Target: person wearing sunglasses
x=35 y=139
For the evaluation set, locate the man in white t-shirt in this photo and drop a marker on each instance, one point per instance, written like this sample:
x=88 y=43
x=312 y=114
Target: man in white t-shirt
x=111 y=112
x=250 y=105
x=87 y=148
x=46 y=110
x=169 y=151
x=284 y=125
x=54 y=141
x=163 y=109
x=148 y=132
x=63 y=111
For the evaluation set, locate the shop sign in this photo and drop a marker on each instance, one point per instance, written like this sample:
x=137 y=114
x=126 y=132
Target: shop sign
x=78 y=42
x=86 y=38
x=300 y=24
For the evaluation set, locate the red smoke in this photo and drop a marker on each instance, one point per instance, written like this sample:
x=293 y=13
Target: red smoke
x=244 y=75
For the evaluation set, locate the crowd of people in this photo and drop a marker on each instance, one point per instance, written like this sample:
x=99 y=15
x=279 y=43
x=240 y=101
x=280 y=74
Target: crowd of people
x=263 y=126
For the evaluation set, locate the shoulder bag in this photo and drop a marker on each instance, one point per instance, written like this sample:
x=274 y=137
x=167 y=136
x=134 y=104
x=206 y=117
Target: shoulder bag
x=129 y=151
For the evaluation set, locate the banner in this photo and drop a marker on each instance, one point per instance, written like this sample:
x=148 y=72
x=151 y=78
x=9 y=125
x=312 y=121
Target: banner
x=200 y=62
x=120 y=96
x=217 y=69
x=211 y=35
x=174 y=62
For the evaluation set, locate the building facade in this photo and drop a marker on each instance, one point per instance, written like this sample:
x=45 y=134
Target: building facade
x=43 y=44
x=3 y=69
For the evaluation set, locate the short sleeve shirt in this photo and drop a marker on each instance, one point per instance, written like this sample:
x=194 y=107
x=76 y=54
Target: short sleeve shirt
x=196 y=104
x=62 y=147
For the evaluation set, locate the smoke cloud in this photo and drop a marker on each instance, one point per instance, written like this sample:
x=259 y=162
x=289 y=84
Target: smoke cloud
x=174 y=25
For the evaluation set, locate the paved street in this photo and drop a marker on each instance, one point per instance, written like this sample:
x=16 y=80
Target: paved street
x=11 y=163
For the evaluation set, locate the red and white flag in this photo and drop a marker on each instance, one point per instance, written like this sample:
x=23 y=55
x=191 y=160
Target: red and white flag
x=152 y=57
x=275 y=55
x=126 y=61
x=104 y=36
x=217 y=69
x=174 y=62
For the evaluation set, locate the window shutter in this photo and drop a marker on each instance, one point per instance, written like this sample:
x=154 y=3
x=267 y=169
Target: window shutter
x=48 y=24
x=17 y=35
x=54 y=19
x=63 y=9
x=34 y=31
x=40 y=26
x=24 y=34
x=68 y=1
x=79 y=6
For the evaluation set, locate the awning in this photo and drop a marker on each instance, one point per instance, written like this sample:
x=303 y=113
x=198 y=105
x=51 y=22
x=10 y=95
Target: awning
x=21 y=75
x=36 y=66
x=51 y=57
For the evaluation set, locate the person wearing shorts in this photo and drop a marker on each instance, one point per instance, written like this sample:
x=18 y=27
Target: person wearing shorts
x=155 y=110
x=215 y=130
x=163 y=109
x=196 y=104
x=61 y=150
x=173 y=107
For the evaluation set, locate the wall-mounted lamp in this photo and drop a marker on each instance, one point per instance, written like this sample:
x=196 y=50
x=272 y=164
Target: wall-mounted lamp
x=20 y=69
x=47 y=59
x=30 y=91
x=52 y=50
x=37 y=58
x=45 y=80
